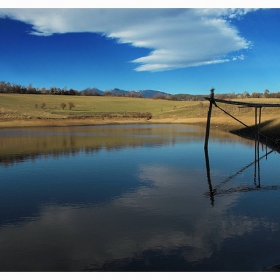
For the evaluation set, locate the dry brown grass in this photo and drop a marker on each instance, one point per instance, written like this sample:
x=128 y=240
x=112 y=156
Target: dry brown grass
x=20 y=111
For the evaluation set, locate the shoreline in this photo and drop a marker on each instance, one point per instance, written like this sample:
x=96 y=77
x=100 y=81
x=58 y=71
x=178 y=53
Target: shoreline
x=270 y=128
x=87 y=122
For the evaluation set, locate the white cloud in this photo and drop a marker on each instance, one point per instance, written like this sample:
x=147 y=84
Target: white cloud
x=177 y=38
x=240 y=57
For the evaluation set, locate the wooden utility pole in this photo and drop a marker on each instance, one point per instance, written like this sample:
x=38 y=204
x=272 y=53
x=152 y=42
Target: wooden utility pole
x=211 y=100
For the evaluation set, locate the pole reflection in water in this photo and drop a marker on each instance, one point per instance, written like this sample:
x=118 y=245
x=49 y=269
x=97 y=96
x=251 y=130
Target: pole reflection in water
x=257 y=177
x=211 y=192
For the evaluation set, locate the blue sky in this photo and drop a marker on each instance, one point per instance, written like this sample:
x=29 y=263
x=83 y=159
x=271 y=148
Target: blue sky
x=170 y=50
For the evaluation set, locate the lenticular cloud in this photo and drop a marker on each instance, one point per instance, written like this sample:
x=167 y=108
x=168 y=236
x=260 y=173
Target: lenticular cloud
x=177 y=38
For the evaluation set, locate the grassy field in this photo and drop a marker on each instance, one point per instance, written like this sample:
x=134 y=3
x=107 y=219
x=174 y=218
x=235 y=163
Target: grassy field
x=17 y=110
x=15 y=107
x=20 y=105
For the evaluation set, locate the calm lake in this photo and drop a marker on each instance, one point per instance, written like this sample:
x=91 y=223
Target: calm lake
x=136 y=198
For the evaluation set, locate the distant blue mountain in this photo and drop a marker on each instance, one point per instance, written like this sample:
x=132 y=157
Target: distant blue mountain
x=92 y=91
x=150 y=93
x=116 y=91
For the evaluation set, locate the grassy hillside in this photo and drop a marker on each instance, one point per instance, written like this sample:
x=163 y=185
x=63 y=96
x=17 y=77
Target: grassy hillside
x=27 y=110
x=15 y=106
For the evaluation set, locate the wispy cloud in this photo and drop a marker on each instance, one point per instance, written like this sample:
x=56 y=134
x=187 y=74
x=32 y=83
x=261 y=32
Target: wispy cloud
x=177 y=38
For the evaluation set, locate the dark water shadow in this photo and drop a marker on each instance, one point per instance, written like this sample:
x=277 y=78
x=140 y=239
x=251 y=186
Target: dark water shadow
x=267 y=129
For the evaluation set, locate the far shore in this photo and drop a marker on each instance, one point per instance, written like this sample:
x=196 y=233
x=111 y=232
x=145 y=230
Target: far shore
x=87 y=122
x=35 y=110
x=270 y=128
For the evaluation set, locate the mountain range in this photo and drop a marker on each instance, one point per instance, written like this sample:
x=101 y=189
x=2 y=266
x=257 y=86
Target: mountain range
x=116 y=91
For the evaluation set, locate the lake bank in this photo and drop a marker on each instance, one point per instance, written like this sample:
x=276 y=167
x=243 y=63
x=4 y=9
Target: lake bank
x=33 y=110
x=269 y=127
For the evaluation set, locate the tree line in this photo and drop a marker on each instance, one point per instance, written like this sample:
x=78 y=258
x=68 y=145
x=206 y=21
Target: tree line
x=6 y=87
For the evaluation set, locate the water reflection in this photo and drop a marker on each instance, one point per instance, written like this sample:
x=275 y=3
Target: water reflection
x=214 y=191
x=138 y=206
x=18 y=145
x=132 y=230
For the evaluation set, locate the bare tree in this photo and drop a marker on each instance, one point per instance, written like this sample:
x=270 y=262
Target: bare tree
x=266 y=93
x=71 y=105
x=62 y=105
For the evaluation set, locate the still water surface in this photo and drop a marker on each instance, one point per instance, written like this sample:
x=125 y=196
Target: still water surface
x=136 y=198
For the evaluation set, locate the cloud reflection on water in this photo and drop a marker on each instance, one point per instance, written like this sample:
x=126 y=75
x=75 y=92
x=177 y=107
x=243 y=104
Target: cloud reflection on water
x=165 y=214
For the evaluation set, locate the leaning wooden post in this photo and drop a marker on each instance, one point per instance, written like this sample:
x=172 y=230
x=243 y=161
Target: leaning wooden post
x=211 y=100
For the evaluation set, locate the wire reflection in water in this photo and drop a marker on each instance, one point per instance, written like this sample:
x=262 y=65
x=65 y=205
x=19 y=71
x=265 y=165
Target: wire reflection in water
x=213 y=191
